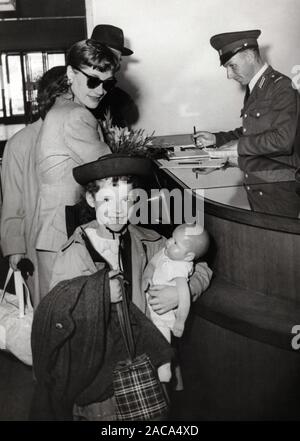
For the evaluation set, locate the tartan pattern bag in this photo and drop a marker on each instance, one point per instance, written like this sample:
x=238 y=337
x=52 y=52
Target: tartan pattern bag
x=138 y=392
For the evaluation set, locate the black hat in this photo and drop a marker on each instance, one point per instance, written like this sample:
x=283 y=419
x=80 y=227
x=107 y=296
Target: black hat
x=113 y=164
x=230 y=43
x=111 y=36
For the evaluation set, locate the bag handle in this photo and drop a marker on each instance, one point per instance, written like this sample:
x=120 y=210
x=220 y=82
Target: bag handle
x=8 y=277
x=19 y=284
x=123 y=315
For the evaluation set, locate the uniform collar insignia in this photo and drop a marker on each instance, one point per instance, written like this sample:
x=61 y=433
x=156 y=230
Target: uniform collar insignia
x=262 y=82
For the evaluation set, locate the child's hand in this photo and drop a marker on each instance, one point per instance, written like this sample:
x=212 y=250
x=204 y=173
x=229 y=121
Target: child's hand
x=163 y=298
x=147 y=277
x=115 y=287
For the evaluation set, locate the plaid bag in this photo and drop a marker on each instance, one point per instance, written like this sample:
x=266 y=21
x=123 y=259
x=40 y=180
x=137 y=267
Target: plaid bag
x=138 y=392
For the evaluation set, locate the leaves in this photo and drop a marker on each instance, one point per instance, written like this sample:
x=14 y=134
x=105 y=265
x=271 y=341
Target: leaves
x=125 y=140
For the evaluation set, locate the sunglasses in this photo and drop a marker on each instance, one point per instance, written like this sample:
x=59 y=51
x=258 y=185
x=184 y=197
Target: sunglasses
x=93 y=82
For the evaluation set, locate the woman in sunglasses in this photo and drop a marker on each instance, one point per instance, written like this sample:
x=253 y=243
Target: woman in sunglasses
x=70 y=136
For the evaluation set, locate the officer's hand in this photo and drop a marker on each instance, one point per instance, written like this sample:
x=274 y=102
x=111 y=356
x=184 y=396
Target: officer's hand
x=163 y=298
x=204 y=139
x=14 y=259
x=115 y=287
x=230 y=146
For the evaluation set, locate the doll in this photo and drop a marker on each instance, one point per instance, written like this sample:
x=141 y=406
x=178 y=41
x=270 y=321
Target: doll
x=173 y=265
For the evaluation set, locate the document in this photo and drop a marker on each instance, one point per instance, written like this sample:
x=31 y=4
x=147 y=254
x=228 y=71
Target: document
x=195 y=163
x=187 y=152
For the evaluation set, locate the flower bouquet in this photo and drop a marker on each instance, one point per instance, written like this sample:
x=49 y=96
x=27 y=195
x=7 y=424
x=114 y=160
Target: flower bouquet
x=129 y=141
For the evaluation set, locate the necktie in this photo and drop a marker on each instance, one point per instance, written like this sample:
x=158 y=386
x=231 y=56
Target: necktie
x=247 y=94
x=125 y=255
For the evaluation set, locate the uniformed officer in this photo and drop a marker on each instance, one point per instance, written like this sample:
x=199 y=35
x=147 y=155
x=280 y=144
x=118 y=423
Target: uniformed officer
x=271 y=105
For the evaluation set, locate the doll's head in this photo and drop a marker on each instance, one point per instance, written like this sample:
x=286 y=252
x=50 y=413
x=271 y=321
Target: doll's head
x=188 y=242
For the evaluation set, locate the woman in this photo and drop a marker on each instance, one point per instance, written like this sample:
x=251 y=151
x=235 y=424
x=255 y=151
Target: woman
x=70 y=136
x=19 y=185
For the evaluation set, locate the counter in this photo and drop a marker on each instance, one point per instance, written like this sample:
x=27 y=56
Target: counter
x=238 y=361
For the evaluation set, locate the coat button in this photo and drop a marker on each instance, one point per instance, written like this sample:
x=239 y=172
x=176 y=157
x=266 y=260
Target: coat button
x=258 y=115
x=260 y=193
x=245 y=116
x=58 y=326
x=246 y=175
x=248 y=188
x=244 y=129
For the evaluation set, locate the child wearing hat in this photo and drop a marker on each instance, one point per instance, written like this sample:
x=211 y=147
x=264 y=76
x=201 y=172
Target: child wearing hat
x=112 y=241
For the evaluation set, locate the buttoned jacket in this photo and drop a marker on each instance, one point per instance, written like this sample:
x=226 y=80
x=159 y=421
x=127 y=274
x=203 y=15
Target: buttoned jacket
x=270 y=118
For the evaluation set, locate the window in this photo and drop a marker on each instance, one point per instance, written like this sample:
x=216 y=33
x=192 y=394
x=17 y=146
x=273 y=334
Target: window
x=19 y=74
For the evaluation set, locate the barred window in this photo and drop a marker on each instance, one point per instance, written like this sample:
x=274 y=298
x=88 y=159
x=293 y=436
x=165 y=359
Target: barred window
x=19 y=74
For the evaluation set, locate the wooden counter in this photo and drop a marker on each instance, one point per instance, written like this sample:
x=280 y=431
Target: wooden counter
x=236 y=353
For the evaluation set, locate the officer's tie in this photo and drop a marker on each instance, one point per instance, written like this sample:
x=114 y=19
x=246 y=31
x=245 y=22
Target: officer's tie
x=247 y=94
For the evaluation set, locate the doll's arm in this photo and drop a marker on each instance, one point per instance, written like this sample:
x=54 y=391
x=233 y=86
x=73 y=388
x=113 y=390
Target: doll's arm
x=184 y=303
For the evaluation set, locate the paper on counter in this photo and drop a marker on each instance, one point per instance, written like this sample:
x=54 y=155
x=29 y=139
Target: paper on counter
x=187 y=152
x=200 y=164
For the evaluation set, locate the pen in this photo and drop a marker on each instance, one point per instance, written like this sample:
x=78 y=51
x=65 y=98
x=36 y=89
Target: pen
x=190 y=163
x=194 y=136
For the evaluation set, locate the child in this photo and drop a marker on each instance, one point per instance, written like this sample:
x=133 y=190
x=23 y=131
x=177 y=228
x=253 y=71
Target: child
x=173 y=265
x=109 y=240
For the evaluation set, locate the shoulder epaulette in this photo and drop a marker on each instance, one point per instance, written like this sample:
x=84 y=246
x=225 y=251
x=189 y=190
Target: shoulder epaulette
x=278 y=79
x=276 y=76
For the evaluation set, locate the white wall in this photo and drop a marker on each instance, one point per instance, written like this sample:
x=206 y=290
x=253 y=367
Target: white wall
x=174 y=73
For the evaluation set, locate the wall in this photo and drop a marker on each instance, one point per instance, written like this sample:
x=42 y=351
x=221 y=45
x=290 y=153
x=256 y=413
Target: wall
x=174 y=73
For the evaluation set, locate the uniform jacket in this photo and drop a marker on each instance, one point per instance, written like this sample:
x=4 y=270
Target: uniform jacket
x=77 y=341
x=70 y=136
x=74 y=260
x=274 y=188
x=270 y=118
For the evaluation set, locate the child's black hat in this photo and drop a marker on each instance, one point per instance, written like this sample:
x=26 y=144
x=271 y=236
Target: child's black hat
x=114 y=164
